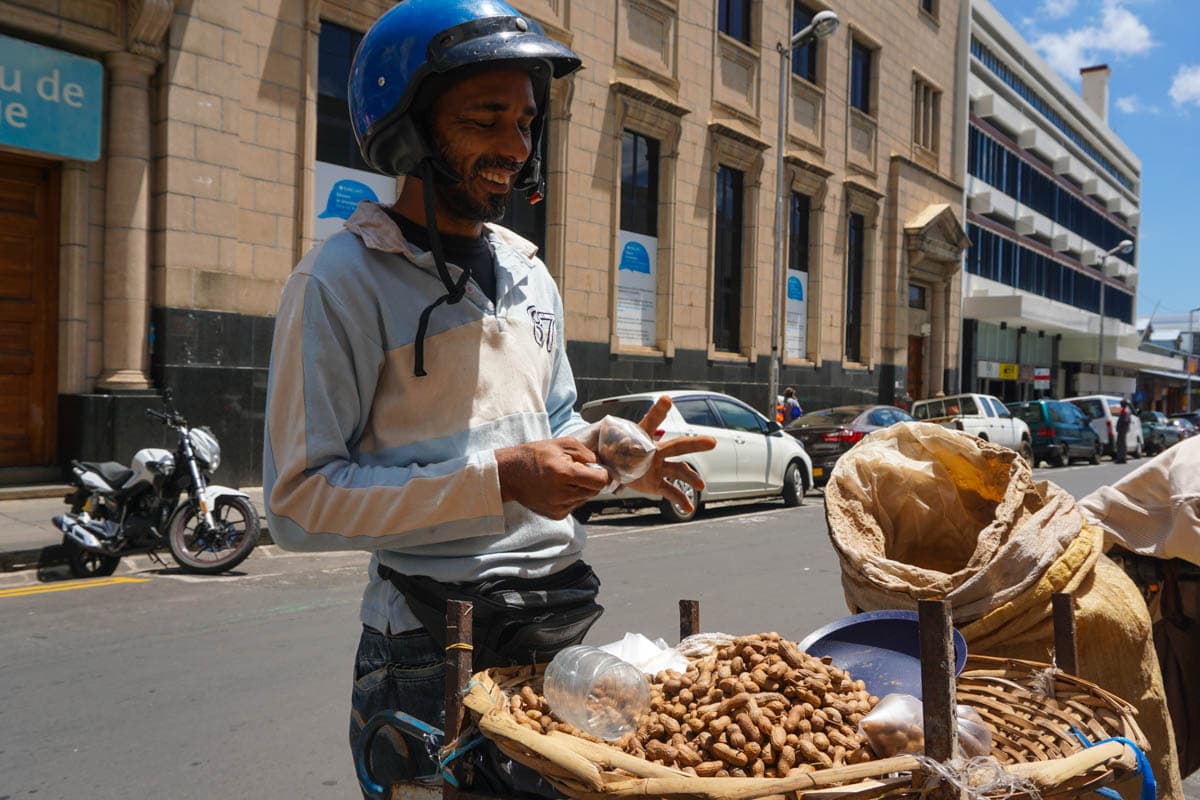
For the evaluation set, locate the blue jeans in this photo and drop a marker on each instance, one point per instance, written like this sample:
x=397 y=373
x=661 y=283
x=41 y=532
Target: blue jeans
x=404 y=672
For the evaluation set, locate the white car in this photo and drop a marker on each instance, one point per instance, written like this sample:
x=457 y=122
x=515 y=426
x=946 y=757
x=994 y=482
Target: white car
x=753 y=457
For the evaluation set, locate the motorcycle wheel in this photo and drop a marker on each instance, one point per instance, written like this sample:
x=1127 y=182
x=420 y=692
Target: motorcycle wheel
x=204 y=551
x=85 y=563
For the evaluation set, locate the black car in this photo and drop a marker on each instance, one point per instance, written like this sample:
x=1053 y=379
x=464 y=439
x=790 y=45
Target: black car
x=828 y=433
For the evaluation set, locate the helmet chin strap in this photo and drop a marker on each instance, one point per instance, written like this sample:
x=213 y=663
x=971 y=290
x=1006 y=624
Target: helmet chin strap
x=454 y=290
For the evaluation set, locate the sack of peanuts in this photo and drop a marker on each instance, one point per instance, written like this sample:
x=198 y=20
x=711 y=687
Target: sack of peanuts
x=918 y=511
x=621 y=447
x=897 y=726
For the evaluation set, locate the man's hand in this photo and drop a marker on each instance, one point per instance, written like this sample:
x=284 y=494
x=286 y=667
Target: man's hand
x=549 y=477
x=659 y=479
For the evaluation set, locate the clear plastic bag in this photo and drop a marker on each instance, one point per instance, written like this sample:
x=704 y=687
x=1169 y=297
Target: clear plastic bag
x=621 y=447
x=897 y=726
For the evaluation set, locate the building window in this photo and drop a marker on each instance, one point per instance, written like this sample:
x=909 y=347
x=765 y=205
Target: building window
x=804 y=59
x=929 y=7
x=526 y=219
x=1034 y=186
x=733 y=19
x=335 y=137
x=916 y=296
x=855 y=257
x=727 y=267
x=927 y=115
x=860 y=77
x=639 y=184
x=798 y=232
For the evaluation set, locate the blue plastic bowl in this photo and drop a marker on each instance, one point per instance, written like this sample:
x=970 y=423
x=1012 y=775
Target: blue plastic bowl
x=880 y=648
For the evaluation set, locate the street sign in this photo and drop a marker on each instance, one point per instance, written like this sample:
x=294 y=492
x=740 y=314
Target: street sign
x=1041 y=377
x=50 y=101
x=1009 y=372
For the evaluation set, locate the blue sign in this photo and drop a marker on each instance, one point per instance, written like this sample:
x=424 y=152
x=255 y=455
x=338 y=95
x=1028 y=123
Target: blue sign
x=50 y=101
x=635 y=258
x=344 y=197
x=795 y=290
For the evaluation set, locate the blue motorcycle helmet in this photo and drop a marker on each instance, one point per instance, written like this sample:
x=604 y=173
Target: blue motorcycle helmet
x=410 y=55
x=421 y=46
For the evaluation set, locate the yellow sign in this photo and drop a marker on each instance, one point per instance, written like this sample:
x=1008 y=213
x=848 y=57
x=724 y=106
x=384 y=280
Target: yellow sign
x=1009 y=372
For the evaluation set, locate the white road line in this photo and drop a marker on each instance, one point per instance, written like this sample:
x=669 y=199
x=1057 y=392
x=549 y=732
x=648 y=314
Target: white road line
x=754 y=517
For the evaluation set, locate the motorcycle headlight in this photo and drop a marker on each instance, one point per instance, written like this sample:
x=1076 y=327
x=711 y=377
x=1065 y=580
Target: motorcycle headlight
x=205 y=446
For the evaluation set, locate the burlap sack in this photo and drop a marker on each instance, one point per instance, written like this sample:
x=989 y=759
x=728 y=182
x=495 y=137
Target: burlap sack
x=919 y=511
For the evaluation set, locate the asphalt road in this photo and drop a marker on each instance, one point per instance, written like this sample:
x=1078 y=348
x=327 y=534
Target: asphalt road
x=160 y=685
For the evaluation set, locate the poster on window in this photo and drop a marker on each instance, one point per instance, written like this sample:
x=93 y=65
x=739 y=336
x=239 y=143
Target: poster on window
x=795 y=343
x=339 y=189
x=637 y=287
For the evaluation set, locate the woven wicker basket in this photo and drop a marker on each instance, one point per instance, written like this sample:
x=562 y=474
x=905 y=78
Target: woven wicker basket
x=1031 y=736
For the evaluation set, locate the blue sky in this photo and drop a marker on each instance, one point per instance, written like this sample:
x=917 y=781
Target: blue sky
x=1153 y=48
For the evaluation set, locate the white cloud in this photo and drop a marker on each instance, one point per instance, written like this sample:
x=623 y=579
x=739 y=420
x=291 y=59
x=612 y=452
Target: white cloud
x=1185 y=86
x=1057 y=9
x=1131 y=104
x=1115 y=34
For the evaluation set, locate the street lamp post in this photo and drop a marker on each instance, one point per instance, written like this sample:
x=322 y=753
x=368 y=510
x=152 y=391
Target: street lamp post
x=1192 y=351
x=823 y=25
x=1124 y=247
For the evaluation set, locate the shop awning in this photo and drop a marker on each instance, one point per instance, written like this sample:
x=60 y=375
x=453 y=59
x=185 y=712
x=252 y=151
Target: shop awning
x=1179 y=376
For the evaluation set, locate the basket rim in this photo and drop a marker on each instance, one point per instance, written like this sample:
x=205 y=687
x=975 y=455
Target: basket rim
x=588 y=770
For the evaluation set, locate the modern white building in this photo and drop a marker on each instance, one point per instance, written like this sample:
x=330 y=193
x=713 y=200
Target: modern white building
x=1050 y=191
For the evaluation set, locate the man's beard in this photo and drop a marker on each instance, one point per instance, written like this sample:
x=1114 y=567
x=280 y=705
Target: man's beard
x=456 y=199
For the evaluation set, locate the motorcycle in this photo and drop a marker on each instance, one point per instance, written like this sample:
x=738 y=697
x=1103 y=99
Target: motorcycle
x=161 y=498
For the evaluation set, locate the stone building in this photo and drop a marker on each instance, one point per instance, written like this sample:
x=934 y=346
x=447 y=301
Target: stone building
x=219 y=152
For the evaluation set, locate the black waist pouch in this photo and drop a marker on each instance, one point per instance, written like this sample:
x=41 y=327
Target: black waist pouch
x=515 y=620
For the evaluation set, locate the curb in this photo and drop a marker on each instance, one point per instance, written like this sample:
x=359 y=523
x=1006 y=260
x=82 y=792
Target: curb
x=36 y=492
x=53 y=555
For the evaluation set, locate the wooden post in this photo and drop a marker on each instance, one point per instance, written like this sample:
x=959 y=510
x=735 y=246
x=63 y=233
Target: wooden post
x=689 y=618
x=458 y=673
x=938 y=685
x=1066 y=657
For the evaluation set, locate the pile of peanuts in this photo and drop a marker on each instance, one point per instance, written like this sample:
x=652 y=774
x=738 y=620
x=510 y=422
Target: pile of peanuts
x=757 y=707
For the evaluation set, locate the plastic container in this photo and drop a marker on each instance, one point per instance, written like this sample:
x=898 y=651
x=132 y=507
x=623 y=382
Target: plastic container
x=596 y=692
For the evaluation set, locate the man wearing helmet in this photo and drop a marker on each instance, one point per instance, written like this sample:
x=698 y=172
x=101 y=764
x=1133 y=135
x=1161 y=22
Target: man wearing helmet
x=420 y=403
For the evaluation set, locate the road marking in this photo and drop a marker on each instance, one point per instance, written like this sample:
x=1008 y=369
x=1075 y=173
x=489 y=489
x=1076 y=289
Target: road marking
x=758 y=516
x=67 y=586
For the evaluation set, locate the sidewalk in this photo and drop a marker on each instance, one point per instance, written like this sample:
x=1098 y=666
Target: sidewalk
x=28 y=539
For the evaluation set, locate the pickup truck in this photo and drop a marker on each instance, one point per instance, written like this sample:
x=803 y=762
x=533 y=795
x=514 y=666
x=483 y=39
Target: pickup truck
x=979 y=415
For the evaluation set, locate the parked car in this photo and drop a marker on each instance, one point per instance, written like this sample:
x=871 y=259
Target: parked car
x=1159 y=432
x=1060 y=432
x=1191 y=416
x=979 y=415
x=1102 y=410
x=753 y=457
x=1186 y=428
x=828 y=433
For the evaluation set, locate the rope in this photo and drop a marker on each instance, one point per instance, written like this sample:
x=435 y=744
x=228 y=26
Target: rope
x=976 y=778
x=1149 y=784
x=459 y=646
x=454 y=754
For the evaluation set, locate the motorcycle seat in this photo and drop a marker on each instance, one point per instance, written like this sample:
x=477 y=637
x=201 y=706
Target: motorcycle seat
x=112 y=471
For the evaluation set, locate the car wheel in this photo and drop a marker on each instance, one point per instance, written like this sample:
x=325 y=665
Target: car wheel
x=675 y=513
x=1094 y=458
x=1026 y=451
x=1059 y=456
x=793 y=484
x=1137 y=450
x=583 y=513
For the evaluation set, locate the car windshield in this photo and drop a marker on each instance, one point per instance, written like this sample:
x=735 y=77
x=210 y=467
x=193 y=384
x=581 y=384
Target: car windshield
x=626 y=409
x=830 y=416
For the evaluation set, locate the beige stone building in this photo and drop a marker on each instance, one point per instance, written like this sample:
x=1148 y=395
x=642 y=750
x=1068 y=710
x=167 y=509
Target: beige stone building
x=223 y=153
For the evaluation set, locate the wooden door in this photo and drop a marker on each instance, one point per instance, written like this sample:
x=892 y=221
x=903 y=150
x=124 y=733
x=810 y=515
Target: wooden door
x=916 y=367
x=28 y=311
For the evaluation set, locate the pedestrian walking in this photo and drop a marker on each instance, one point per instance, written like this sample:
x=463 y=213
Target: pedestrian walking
x=420 y=401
